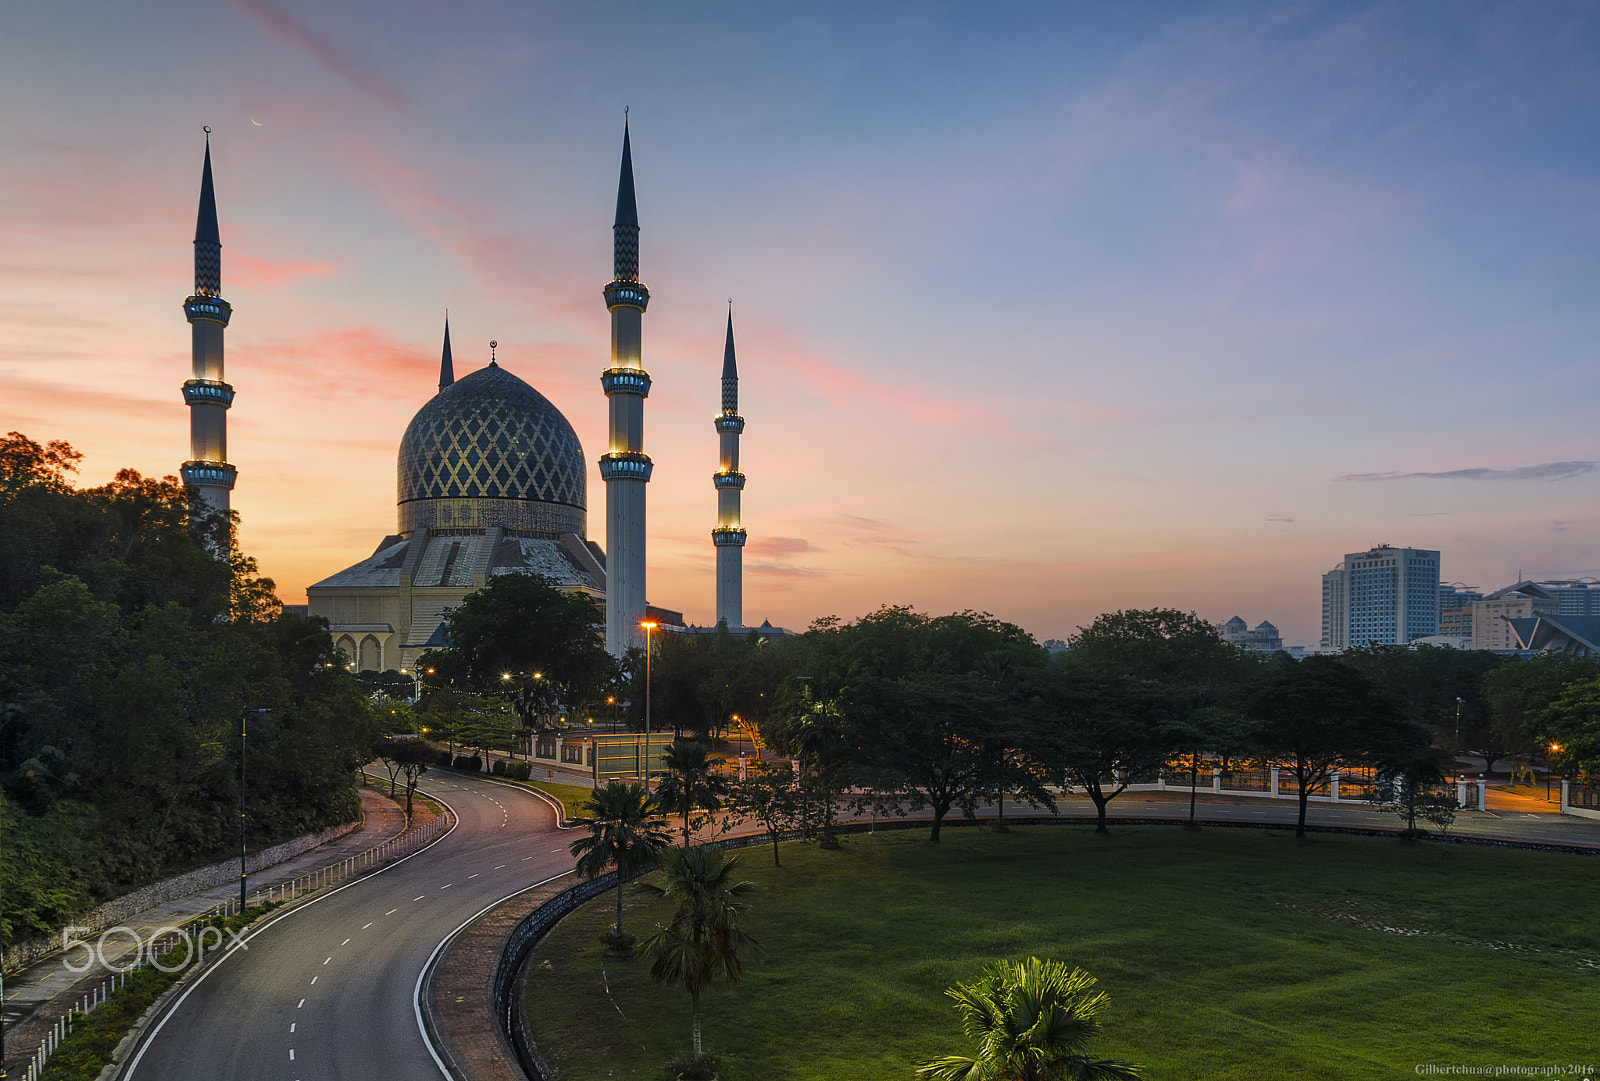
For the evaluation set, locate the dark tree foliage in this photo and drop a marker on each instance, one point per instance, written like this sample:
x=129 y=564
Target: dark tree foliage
x=128 y=655
x=1320 y=714
x=698 y=683
x=524 y=637
x=1520 y=692
x=1425 y=683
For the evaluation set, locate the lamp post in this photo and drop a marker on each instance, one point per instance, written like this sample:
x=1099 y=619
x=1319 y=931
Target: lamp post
x=649 y=626
x=243 y=874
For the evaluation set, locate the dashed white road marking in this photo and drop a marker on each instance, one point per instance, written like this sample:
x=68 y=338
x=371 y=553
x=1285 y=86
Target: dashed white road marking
x=291 y=1054
x=471 y=877
x=302 y=1004
x=419 y=897
x=346 y=942
x=391 y=912
x=329 y=959
x=498 y=866
x=291 y=1026
x=313 y=979
x=447 y=885
x=527 y=857
x=364 y=926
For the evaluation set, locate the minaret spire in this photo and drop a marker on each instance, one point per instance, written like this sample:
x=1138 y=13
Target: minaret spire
x=729 y=536
x=625 y=468
x=447 y=368
x=208 y=396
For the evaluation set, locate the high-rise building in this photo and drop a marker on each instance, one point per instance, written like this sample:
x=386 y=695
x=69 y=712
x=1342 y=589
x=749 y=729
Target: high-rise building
x=1336 y=609
x=729 y=536
x=1456 y=597
x=207 y=395
x=625 y=467
x=1383 y=596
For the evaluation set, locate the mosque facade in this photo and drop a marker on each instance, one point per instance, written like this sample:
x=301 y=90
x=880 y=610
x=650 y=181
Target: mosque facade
x=491 y=478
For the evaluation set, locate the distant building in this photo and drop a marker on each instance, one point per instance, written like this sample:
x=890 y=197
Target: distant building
x=1578 y=635
x=1577 y=596
x=1491 y=628
x=1263 y=636
x=1457 y=624
x=1383 y=596
x=1336 y=608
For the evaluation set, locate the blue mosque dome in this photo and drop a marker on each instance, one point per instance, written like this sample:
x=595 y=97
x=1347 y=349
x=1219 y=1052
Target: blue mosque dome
x=490 y=451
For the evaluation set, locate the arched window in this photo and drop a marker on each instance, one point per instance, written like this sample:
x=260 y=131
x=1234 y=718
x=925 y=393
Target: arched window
x=347 y=646
x=371 y=655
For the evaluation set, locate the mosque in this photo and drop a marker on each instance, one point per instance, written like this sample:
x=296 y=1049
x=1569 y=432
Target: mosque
x=491 y=478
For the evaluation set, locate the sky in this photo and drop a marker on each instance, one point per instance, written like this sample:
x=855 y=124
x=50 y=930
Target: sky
x=1043 y=310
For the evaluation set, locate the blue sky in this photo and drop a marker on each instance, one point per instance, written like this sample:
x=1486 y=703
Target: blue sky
x=1042 y=309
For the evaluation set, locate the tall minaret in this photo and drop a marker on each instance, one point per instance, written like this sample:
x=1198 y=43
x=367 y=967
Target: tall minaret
x=207 y=395
x=729 y=536
x=626 y=467
x=447 y=368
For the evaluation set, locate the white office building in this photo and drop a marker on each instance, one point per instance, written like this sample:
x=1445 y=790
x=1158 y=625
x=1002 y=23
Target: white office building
x=1383 y=596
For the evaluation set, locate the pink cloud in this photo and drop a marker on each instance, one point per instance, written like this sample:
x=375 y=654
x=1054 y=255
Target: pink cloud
x=253 y=273
x=292 y=31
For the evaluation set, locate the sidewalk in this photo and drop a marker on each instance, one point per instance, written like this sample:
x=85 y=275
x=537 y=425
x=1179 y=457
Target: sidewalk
x=40 y=983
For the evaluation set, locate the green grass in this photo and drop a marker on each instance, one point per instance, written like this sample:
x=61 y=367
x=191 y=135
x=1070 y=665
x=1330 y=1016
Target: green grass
x=1228 y=954
x=571 y=796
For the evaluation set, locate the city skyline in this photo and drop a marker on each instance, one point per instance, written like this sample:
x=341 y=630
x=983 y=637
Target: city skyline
x=1126 y=309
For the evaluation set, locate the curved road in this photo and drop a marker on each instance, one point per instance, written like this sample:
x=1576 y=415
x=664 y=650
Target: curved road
x=327 y=990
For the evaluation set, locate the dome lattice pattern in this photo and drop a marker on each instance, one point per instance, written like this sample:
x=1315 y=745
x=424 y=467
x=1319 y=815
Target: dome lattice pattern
x=489 y=435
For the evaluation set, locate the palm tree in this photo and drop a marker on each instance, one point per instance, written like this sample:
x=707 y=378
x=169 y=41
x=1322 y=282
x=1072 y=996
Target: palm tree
x=1032 y=1021
x=689 y=783
x=703 y=946
x=622 y=834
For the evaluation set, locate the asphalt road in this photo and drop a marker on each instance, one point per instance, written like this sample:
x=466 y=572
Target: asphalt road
x=327 y=990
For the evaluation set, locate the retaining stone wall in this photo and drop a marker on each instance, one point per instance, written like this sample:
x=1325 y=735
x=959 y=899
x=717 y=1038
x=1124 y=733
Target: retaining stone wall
x=24 y=953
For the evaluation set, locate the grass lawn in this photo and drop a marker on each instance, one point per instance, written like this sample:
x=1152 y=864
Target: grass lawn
x=572 y=797
x=1227 y=953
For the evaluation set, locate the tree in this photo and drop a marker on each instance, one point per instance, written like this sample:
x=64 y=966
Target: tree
x=623 y=834
x=1569 y=728
x=770 y=795
x=703 y=946
x=1410 y=785
x=1321 y=714
x=689 y=784
x=1100 y=730
x=1178 y=651
x=1520 y=691
x=525 y=638
x=1032 y=1020
x=1439 y=687
x=404 y=757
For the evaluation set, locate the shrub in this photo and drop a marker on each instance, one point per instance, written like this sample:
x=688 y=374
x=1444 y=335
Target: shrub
x=499 y=767
x=471 y=765
x=445 y=757
x=519 y=771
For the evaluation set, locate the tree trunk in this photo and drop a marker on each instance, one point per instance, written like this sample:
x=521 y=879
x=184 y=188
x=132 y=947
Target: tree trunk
x=775 y=862
x=697 y=1049
x=1100 y=803
x=938 y=820
x=1305 y=799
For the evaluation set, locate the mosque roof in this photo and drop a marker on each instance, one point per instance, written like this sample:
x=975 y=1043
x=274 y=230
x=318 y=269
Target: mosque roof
x=489 y=435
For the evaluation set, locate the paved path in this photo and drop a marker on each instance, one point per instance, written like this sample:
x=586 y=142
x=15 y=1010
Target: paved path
x=327 y=989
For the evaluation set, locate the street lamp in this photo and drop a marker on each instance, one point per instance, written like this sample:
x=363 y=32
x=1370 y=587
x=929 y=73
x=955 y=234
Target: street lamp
x=243 y=877
x=649 y=626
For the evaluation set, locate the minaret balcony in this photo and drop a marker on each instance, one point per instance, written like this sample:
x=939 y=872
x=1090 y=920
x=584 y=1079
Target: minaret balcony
x=729 y=423
x=207 y=392
x=624 y=294
x=208 y=475
x=730 y=479
x=728 y=537
x=628 y=465
x=626 y=381
x=214 y=309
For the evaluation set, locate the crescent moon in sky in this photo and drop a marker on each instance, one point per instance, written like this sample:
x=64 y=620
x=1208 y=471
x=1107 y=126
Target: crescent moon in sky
x=254 y=121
